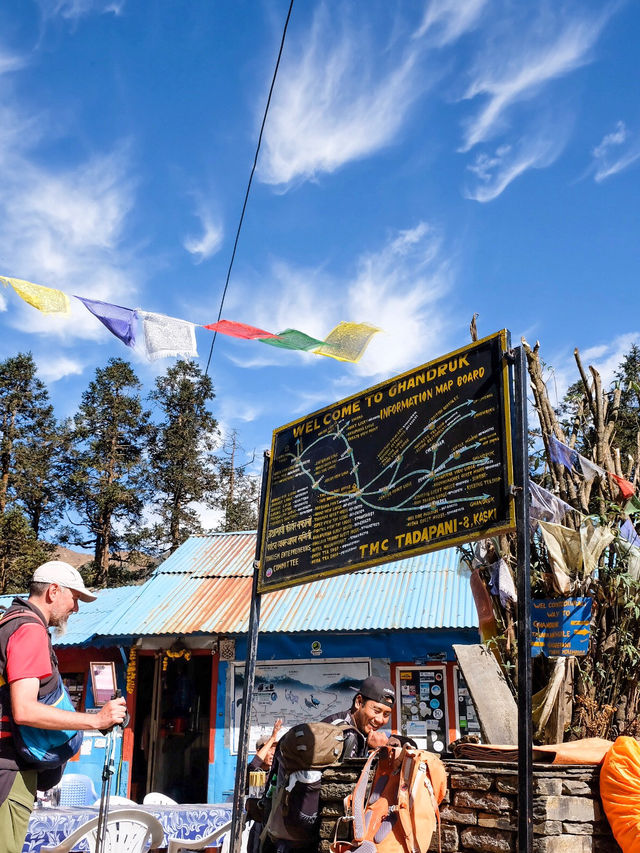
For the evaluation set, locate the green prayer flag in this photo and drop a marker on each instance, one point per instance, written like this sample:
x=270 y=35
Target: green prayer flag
x=632 y=506
x=292 y=339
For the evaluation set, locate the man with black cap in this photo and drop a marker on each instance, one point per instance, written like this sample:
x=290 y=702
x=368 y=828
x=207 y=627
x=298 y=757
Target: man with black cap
x=28 y=674
x=369 y=712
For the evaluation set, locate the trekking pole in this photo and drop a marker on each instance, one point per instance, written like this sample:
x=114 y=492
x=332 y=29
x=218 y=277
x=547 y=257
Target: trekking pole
x=105 y=793
x=107 y=773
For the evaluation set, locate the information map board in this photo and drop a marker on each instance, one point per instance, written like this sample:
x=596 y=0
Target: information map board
x=420 y=462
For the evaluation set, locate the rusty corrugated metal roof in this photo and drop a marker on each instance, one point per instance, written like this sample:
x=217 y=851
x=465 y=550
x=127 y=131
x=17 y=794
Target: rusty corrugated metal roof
x=91 y=617
x=205 y=587
x=219 y=555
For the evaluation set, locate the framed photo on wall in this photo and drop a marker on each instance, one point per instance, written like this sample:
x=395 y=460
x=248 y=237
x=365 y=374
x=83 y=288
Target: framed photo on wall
x=103 y=681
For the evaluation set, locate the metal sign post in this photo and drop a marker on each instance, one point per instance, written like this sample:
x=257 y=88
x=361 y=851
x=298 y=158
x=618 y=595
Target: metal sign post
x=237 y=821
x=525 y=722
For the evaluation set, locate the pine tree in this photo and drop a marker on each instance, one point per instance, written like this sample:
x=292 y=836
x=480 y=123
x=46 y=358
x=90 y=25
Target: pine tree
x=25 y=412
x=105 y=478
x=20 y=551
x=181 y=451
x=238 y=497
x=627 y=377
x=37 y=472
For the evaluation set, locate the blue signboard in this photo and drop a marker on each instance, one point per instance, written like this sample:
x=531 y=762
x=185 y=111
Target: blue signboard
x=560 y=626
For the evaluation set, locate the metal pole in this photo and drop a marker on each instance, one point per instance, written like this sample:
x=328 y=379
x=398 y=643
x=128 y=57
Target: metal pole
x=249 y=676
x=525 y=722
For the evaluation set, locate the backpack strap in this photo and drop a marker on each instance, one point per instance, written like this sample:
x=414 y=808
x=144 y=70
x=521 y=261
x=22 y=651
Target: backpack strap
x=9 y=617
x=382 y=800
x=16 y=614
x=354 y=803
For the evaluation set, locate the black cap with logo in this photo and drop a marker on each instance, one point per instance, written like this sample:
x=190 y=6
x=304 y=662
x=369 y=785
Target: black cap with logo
x=378 y=690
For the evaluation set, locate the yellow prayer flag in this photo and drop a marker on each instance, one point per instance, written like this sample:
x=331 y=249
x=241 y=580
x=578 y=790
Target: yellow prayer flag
x=45 y=299
x=348 y=341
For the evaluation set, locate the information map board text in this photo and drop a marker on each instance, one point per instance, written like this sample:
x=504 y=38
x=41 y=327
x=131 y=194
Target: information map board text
x=419 y=462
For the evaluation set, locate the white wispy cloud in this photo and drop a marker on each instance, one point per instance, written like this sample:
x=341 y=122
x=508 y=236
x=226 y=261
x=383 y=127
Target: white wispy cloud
x=206 y=244
x=401 y=289
x=53 y=368
x=523 y=67
x=74 y=9
x=232 y=410
x=338 y=99
x=494 y=172
x=617 y=150
x=446 y=20
x=63 y=230
x=10 y=61
x=62 y=227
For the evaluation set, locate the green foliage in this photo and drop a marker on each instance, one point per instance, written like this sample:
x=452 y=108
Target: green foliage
x=181 y=448
x=125 y=487
x=105 y=476
x=20 y=551
x=627 y=377
x=37 y=472
x=27 y=441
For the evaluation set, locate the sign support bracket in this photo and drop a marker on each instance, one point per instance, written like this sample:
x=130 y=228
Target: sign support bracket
x=237 y=821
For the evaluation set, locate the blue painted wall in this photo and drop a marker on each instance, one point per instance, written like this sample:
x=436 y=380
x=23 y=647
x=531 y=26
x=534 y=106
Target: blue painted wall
x=92 y=764
x=383 y=648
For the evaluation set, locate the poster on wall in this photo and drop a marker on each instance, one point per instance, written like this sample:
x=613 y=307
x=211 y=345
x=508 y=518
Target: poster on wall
x=296 y=691
x=422 y=712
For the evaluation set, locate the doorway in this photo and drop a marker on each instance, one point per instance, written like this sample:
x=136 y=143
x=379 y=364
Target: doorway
x=171 y=741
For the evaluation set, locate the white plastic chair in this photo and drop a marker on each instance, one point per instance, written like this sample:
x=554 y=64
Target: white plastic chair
x=128 y=831
x=115 y=800
x=76 y=789
x=158 y=799
x=177 y=845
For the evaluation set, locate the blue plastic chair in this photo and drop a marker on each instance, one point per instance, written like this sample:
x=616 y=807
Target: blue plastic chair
x=76 y=789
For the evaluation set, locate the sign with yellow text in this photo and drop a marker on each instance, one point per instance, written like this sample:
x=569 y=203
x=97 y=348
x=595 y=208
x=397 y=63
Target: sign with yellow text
x=560 y=626
x=419 y=462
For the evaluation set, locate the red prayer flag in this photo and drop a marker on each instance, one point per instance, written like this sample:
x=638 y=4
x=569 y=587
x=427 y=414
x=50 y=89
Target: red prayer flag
x=239 y=330
x=626 y=488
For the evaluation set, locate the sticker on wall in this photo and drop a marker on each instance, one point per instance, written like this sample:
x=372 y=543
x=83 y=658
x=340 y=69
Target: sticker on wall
x=422 y=711
x=316 y=648
x=468 y=722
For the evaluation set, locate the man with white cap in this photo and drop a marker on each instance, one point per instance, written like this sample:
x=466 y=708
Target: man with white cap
x=28 y=673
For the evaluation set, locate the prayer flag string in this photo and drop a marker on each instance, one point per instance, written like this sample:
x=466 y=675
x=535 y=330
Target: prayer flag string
x=162 y=336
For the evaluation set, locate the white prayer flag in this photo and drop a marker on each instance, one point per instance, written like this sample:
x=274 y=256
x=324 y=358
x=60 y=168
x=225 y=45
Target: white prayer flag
x=167 y=337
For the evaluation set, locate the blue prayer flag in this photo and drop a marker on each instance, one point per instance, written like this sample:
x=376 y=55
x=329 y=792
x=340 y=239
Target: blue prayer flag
x=121 y=322
x=564 y=455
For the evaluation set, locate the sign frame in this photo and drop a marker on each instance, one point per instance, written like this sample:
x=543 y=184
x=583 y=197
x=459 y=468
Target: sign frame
x=103 y=681
x=507 y=523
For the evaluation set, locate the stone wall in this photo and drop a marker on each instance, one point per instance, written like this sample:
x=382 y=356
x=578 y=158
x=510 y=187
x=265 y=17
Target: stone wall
x=479 y=813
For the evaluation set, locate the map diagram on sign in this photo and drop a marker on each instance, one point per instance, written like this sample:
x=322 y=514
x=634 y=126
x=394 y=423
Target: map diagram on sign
x=416 y=463
x=388 y=489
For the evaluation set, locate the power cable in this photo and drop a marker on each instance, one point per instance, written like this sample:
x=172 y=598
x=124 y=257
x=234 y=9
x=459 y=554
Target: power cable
x=253 y=169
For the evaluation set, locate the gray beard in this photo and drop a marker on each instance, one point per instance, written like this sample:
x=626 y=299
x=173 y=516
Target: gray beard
x=60 y=630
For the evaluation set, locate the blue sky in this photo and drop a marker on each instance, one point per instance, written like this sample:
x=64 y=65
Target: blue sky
x=421 y=161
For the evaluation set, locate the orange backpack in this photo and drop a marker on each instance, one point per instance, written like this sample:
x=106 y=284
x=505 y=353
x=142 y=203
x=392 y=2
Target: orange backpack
x=620 y=792
x=400 y=812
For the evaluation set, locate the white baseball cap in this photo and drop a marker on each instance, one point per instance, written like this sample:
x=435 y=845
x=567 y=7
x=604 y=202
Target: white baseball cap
x=58 y=572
